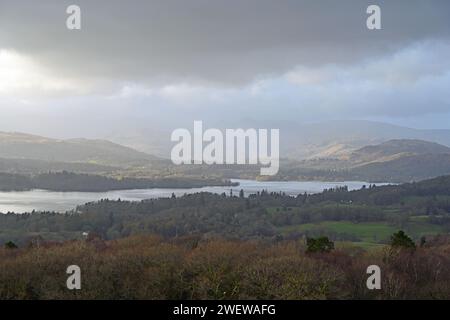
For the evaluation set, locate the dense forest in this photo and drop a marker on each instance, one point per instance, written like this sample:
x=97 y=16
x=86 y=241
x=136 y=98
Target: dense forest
x=366 y=216
x=69 y=181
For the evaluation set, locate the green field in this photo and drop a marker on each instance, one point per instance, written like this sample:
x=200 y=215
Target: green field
x=364 y=245
x=369 y=232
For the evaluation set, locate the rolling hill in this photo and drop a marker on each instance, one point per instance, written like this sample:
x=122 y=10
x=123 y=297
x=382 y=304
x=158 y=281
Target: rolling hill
x=102 y=152
x=396 y=149
x=399 y=160
x=404 y=169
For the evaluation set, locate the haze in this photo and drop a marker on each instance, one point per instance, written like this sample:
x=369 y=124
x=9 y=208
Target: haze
x=138 y=70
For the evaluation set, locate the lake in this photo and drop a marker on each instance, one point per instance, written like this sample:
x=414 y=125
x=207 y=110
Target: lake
x=39 y=200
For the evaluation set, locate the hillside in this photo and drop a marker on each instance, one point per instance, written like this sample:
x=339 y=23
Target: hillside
x=26 y=146
x=404 y=169
x=400 y=160
x=28 y=166
x=395 y=149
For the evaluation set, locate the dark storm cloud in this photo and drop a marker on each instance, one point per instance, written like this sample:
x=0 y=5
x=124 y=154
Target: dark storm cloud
x=228 y=42
x=146 y=64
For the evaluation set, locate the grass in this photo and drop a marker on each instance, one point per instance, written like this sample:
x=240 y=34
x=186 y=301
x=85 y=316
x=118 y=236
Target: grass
x=369 y=233
x=363 y=245
x=419 y=229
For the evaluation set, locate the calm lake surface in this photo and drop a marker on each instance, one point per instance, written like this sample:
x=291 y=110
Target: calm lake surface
x=26 y=201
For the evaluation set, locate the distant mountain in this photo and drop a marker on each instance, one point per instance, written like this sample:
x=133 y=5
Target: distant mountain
x=26 y=146
x=337 y=139
x=392 y=160
x=400 y=160
x=298 y=141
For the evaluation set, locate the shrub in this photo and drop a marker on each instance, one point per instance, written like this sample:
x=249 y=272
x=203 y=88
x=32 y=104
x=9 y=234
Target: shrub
x=321 y=244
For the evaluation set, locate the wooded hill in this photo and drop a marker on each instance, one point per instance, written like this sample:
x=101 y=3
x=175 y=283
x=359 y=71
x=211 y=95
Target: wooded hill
x=68 y=181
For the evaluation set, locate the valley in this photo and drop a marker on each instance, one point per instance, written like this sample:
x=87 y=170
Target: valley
x=87 y=176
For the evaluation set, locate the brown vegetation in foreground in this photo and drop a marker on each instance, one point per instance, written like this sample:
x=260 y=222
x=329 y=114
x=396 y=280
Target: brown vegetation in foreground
x=153 y=268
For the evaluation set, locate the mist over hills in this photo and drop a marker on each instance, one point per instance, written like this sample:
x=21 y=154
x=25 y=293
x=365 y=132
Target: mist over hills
x=338 y=138
x=330 y=139
x=338 y=150
x=360 y=130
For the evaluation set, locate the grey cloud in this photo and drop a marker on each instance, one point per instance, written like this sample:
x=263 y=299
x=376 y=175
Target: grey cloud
x=204 y=41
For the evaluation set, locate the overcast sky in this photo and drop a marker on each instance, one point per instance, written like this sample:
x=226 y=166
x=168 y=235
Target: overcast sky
x=140 y=64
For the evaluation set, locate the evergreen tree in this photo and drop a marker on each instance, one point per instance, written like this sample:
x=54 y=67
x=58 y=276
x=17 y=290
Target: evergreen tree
x=321 y=244
x=10 y=245
x=401 y=240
